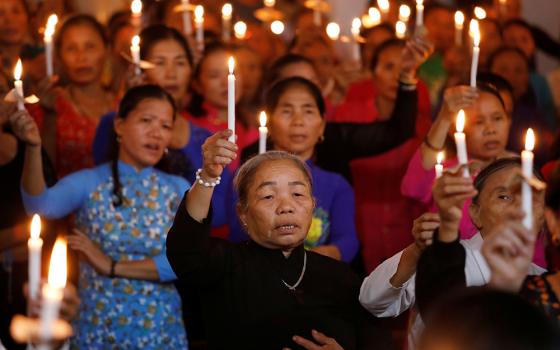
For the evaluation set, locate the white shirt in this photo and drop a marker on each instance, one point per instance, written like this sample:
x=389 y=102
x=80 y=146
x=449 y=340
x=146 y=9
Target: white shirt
x=382 y=299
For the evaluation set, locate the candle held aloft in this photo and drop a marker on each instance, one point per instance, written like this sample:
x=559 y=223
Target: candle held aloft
x=135 y=52
x=404 y=13
x=136 y=10
x=333 y=31
x=240 y=30
x=199 y=24
x=383 y=6
x=461 y=142
x=439 y=164
x=400 y=30
x=187 y=25
x=479 y=13
x=53 y=291
x=459 y=25
x=474 y=29
x=263 y=132
x=18 y=85
x=34 y=245
x=419 y=13
x=231 y=99
x=527 y=157
x=375 y=16
x=47 y=39
x=277 y=27
x=356 y=53
x=227 y=11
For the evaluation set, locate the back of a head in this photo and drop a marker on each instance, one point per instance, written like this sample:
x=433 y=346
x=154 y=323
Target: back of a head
x=484 y=319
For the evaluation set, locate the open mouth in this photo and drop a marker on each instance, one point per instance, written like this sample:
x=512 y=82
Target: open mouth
x=491 y=145
x=286 y=228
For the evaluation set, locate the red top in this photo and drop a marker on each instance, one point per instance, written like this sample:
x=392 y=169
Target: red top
x=383 y=215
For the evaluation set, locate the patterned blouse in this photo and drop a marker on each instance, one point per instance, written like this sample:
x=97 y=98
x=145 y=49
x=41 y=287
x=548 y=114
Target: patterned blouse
x=119 y=312
x=538 y=291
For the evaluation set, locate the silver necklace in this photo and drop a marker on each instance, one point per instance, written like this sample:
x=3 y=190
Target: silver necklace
x=293 y=288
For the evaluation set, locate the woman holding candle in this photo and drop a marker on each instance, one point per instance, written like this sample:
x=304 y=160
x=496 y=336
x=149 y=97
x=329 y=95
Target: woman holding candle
x=14 y=21
x=390 y=289
x=68 y=116
x=122 y=210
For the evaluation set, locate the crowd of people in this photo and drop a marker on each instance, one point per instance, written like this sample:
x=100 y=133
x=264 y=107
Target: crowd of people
x=184 y=235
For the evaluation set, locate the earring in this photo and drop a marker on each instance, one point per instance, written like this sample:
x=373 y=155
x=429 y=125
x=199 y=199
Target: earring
x=166 y=150
x=119 y=139
x=321 y=138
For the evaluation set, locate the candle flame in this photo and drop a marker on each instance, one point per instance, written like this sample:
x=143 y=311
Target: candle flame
x=198 y=12
x=529 y=140
x=474 y=30
x=231 y=64
x=51 y=24
x=459 y=18
x=35 y=226
x=135 y=41
x=440 y=157
x=136 y=7
x=419 y=2
x=460 y=123
x=262 y=119
x=57 y=266
x=269 y=3
x=240 y=29
x=356 y=25
x=277 y=27
x=374 y=15
x=18 y=70
x=400 y=29
x=227 y=10
x=404 y=13
x=479 y=13
x=333 y=30
x=383 y=5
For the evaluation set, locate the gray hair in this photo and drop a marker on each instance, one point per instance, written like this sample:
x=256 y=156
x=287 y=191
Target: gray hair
x=247 y=171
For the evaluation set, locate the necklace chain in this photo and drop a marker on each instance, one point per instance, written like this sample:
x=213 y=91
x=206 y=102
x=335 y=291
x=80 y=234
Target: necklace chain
x=293 y=288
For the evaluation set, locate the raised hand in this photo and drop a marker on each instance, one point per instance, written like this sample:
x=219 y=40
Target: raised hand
x=94 y=256
x=508 y=250
x=457 y=98
x=416 y=51
x=217 y=153
x=25 y=128
x=322 y=342
x=423 y=229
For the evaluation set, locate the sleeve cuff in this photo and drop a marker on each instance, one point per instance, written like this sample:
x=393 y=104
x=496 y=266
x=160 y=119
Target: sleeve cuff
x=164 y=269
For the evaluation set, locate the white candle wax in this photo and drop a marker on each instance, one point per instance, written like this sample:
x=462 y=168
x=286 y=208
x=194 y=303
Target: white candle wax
x=439 y=165
x=18 y=85
x=460 y=142
x=383 y=6
x=459 y=25
x=263 y=133
x=474 y=29
x=49 y=55
x=356 y=53
x=135 y=52
x=419 y=13
x=187 y=25
x=231 y=99
x=136 y=18
x=199 y=24
x=227 y=11
x=34 y=245
x=527 y=169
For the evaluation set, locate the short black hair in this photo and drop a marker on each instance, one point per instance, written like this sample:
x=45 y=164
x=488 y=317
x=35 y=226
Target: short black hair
x=387 y=44
x=80 y=19
x=277 y=90
x=496 y=81
x=506 y=49
x=274 y=71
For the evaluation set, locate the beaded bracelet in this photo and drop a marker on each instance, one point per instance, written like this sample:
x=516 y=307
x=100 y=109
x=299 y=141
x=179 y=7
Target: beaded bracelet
x=207 y=183
x=432 y=147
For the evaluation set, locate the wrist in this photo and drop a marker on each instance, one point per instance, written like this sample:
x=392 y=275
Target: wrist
x=202 y=178
x=448 y=231
x=112 y=268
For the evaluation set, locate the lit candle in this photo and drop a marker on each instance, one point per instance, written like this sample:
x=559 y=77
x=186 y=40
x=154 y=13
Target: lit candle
x=187 y=25
x=263 y=132
x=135 y=52
x=400 y=29
x=419 y=13
x=231 y=99
x=240 y=30
x=136 y=10
x=356 y=54
x=333 y=30
x=18 y=85
x=227 y=11
x=527 y=169
x=503 y=9
x=460 y=141
x=439 y=164
x=199 y=24
x=53 y=291
x=269 y=3
x=277 y=27
x=384 y=8
x=476 y=50
x=47 y=39
x=317 y=20
x=479 y=13
x=35 y=244
x=374 y=15
x=459 y=24
x=404 y=13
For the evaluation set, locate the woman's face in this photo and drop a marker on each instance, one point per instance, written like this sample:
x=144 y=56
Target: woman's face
x=13 y=22
x=172 y=70
x=82 y=54
x=496 y=199
x=512 y=67
x=386 y=72
x=279 y=205
x=323 y=59
x=212 y=82
x=145 y=133
x=251 y=69
x=492 y=39
x=487 y=128
x=520 y=37
x=373 y=40
x=296 y=123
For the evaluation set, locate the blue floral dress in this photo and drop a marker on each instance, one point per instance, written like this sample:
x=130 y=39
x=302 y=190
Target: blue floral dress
x=119 y=313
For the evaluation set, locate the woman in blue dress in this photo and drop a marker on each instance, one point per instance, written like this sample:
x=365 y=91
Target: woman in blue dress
x=123 y=210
